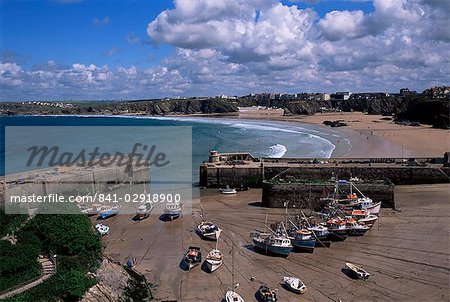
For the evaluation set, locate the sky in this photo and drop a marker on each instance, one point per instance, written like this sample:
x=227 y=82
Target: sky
x=122 y=50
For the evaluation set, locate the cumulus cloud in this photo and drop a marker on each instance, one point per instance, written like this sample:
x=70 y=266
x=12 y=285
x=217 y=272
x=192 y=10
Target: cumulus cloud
x=238 y=46
x=101 y=21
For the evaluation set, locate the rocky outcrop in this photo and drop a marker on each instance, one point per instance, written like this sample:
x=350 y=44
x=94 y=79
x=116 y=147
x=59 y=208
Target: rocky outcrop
x=304 y=107
x=113 y=280
x=433 y=112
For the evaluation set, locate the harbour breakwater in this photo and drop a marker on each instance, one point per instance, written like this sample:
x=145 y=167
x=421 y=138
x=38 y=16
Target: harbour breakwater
x=295 y=179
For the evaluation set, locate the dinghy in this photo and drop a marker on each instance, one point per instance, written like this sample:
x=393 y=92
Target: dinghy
x=357 y=271
x=294 y=284
x=193 y=256
x=266 y=294
x=102 y=229
x=209 y=230
x=228 y=190
x=232 y=296
x=214 y=260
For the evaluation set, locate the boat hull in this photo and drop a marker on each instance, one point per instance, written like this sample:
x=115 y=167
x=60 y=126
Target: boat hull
x=304 y=245
x=213 y=265
x=272 y=250
x=337 y=235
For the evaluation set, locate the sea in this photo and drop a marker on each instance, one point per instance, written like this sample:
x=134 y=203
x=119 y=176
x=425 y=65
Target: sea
x=262 y=138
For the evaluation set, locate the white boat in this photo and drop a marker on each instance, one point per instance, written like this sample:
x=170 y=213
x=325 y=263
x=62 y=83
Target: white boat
x=364 y=217
x=143 y=211
x=373 y=208
x=209 y=230
x=357 y=271
x=228 y=190
x=102 y=229
x=172 y=210
x=214 y=260
x=295 y=284
x=232 y=296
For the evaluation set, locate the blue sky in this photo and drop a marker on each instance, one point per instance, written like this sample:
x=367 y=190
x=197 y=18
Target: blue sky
x=107 y=43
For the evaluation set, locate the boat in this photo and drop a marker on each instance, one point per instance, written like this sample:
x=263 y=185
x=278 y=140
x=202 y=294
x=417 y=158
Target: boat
x=193 y=256
x=173 y=210
x=232 y=296
x=338 y=229
x=322 y=234
x=209 y=230
x=214 y=260
x=295 y=284
x=369 y=205
x=277 y=243
x=357 y=271
x=266 y=294
x=356 y=229
x=102 y=229
x=303 y=240
x=108 y=212
x=143 y=211
x=228 y=190
x=92 y=210
x=364 y=217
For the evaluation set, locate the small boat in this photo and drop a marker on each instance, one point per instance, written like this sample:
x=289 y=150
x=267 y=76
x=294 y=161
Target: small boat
x=214 y=260
x=143 y=211
x=92 y=210
x=364 y=217
x=173 y=210
x=232 y=296
x=102 y=229
x=266 y=294
x=228 y=190
x=272 y=244
x=108 y=212
x=357 y=271
x=295 y=284
x=356 y=229
x=193 y=256
x=209 y=230
x=303 y=240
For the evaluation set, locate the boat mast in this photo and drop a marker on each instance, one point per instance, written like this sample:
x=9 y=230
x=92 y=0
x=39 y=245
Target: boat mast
x=232 y=266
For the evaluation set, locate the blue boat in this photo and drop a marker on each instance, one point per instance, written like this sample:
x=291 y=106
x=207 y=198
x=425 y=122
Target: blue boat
x=173 y=210
x=109 y=212
x=303 y=240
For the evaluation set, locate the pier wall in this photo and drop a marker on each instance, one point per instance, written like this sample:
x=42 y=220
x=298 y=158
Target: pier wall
x=254 y=175
x=307 y=195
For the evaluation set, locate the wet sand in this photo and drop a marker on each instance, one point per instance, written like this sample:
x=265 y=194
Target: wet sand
x=407 y=252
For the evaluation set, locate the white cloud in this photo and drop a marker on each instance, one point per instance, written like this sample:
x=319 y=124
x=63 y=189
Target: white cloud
x=103 y=21
x=237 y=47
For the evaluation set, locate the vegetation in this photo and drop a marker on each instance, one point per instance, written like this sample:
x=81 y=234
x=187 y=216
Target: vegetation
x=70 y=237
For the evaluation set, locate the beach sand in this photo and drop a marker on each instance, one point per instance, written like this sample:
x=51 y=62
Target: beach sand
x=372 y=135
x=407 y=252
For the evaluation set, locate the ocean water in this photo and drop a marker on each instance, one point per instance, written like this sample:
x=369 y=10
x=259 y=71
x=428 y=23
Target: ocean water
x=261 y=138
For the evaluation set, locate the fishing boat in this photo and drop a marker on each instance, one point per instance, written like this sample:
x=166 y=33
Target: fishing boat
x=322 y=234
x=209 y=230
x=102 y=229
x=228 y=190
x=357 y=271
x=275 y=243
x=295 y=284
x=172 y=210
x=338 y=229
x=369 y=205
x=356 y=229
x=266 y=294
x=108 y=212
x=193 y=256
x=143 y=211
x=364 y=217
x=214 y=260
x=302 y=239
x=232 y=296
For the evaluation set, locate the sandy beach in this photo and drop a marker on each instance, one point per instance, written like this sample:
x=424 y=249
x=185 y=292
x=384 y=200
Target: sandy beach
x=373 y=135
x=406 y=252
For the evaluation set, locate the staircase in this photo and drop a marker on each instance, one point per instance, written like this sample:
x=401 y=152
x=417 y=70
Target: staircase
x=48 y=268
